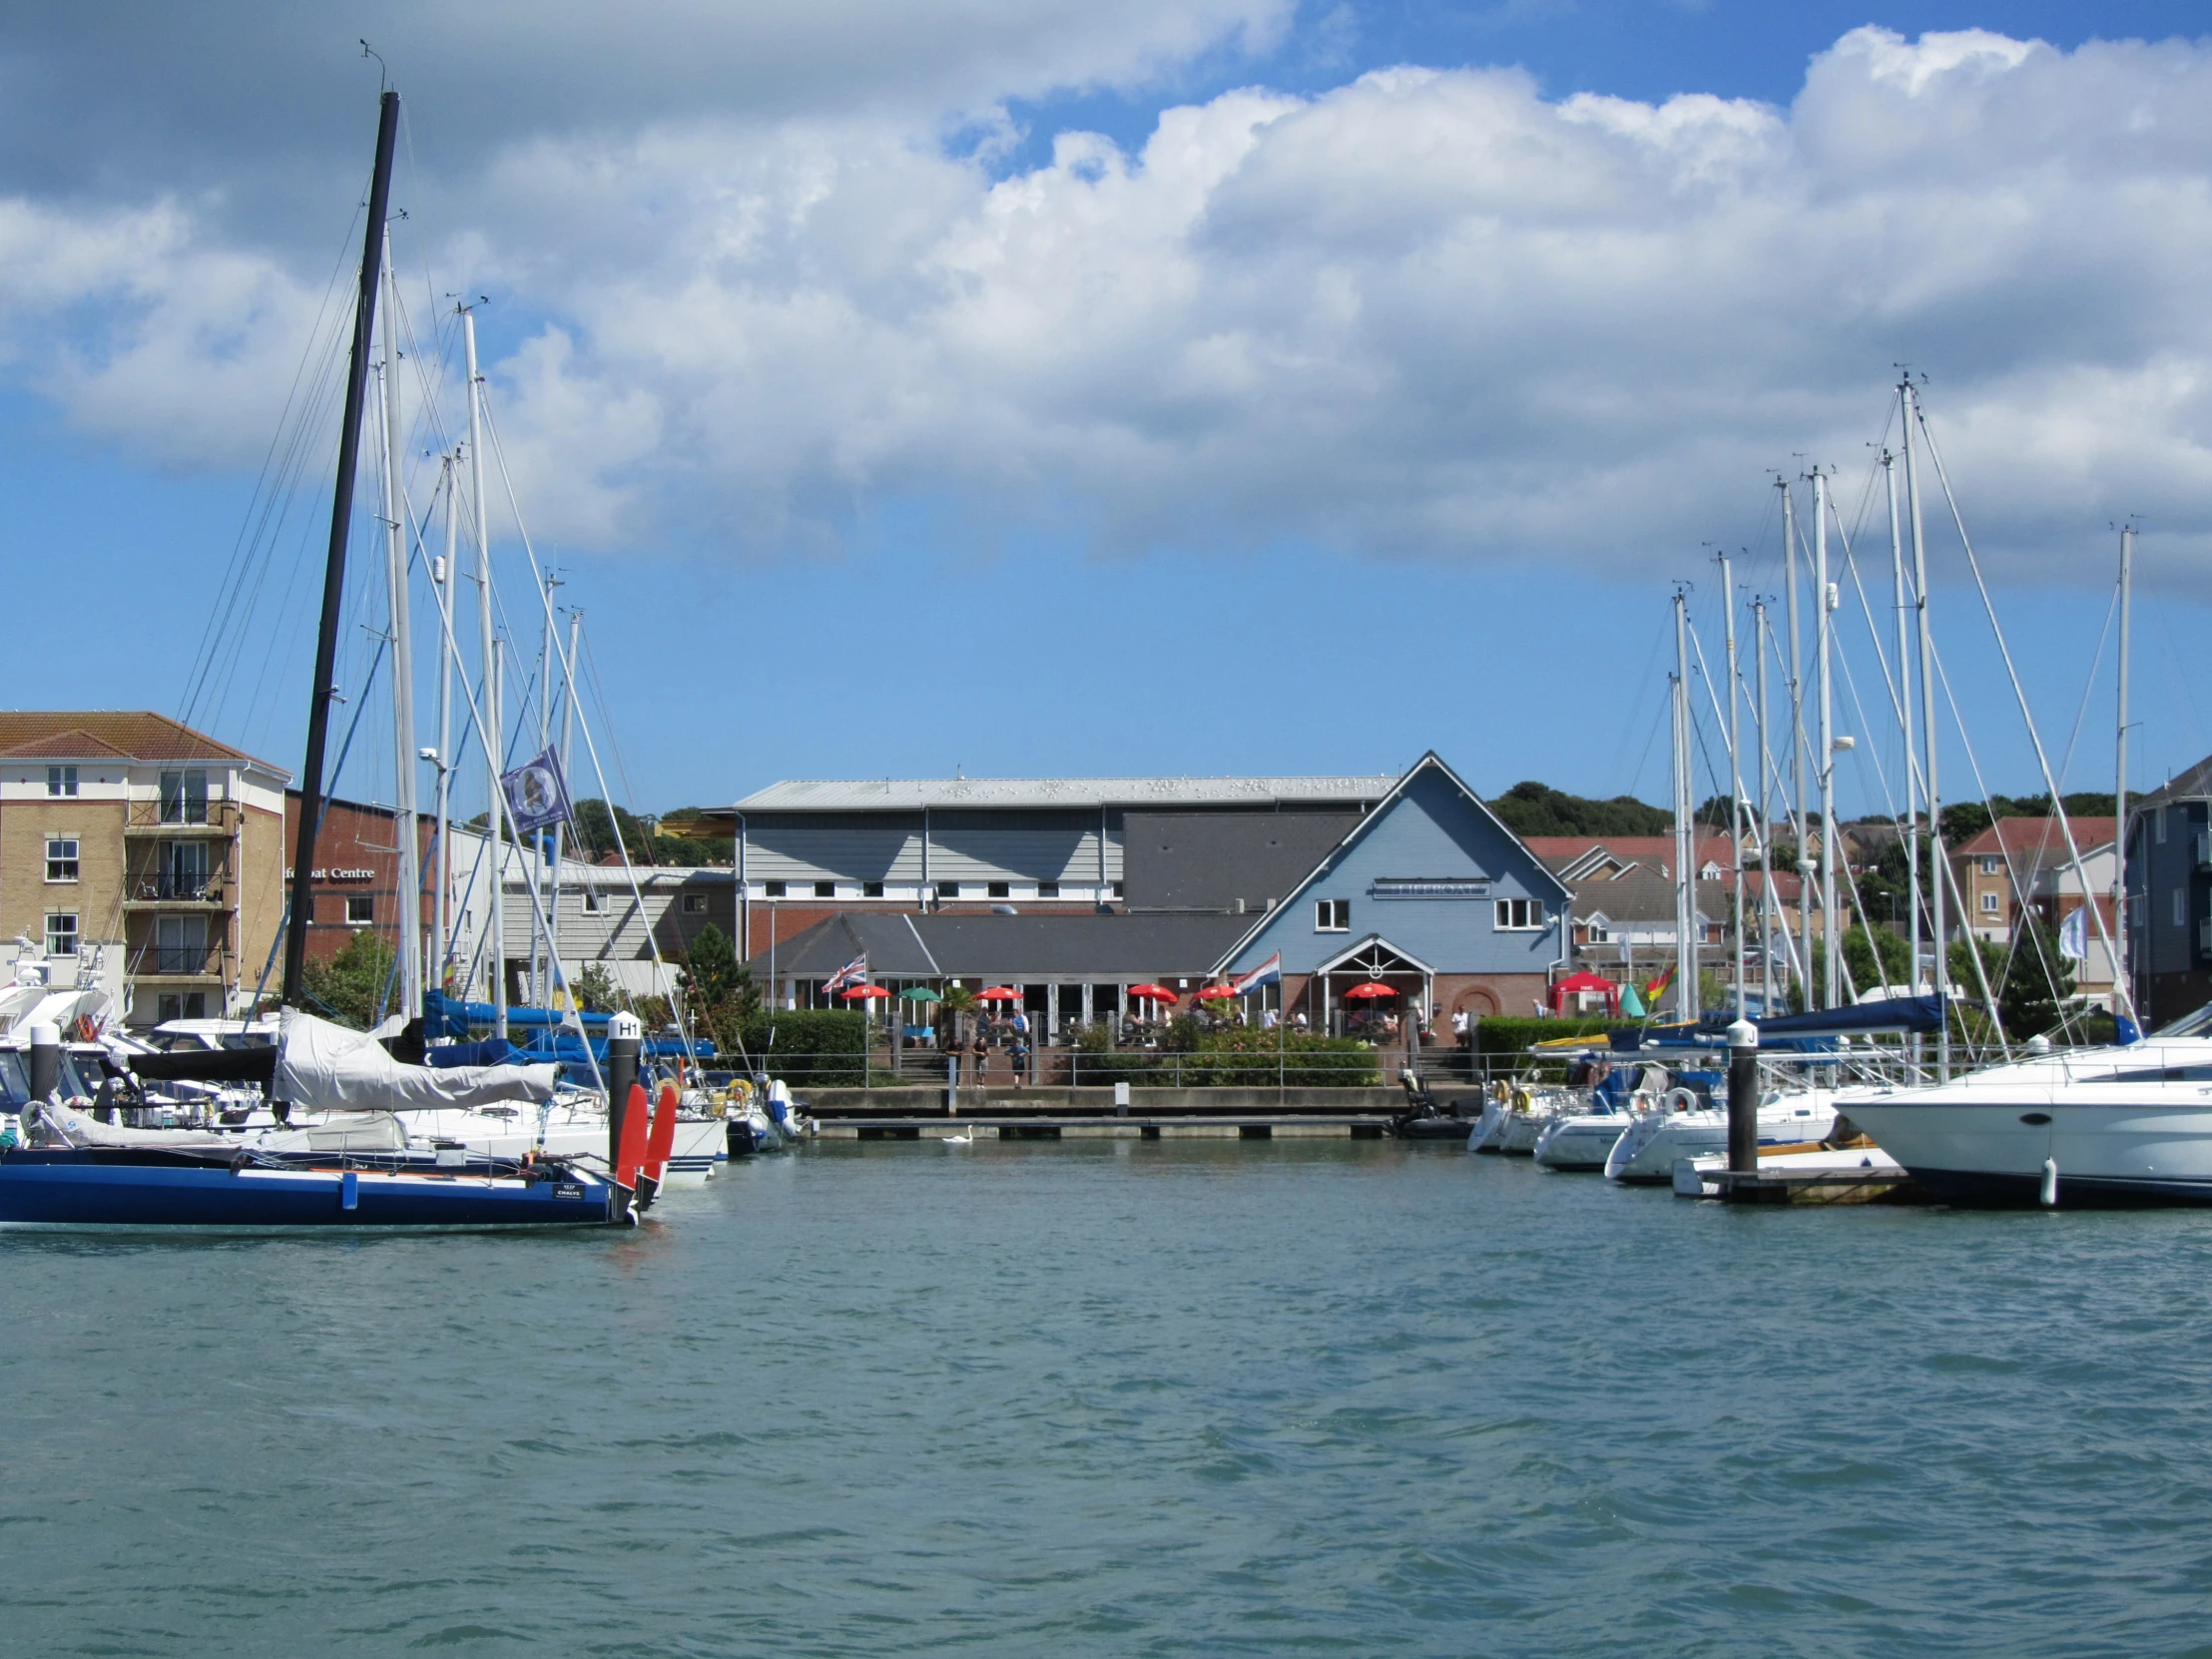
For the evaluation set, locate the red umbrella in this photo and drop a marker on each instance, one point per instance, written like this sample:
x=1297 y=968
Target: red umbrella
x=862 y=992
x=1368 y=988
x=1150 y=993
x=1211 y=992
x=999 y=993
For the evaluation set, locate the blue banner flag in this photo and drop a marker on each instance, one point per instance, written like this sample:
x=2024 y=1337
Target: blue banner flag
x=537 y=793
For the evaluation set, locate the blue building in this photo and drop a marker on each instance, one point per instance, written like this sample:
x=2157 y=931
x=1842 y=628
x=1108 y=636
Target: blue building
x=1431 y=894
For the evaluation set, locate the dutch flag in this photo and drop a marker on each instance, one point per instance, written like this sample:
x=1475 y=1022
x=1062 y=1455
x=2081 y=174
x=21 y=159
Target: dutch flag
x=1268 y=973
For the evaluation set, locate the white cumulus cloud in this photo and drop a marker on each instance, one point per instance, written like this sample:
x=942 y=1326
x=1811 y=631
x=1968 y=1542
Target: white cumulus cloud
x=1428 y=314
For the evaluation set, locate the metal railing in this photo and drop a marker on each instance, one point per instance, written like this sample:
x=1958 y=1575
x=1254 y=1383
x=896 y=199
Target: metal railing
x=182 y=816
x=174 y=961
x=193 y=887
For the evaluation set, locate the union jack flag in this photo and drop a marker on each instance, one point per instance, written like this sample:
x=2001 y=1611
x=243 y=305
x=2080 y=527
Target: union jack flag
x=853 y=973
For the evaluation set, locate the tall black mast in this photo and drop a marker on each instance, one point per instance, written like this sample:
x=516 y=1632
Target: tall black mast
x=333 y=574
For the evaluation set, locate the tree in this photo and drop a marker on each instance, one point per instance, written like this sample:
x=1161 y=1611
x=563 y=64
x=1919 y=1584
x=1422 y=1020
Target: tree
x=2032 y=998
x=601 y=829
x=595 y=991
x=718 y=989
x=1533 y=808
x=354 y=984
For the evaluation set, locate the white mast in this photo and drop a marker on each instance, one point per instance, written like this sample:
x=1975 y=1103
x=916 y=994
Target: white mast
x=1766 y=816
x=441 y=583
x=495 y=814
x=1795 y=690
x=1737 y=805
x=1824 y=605
x=1905 y=718
x=410 y=868
x=541 y=976
x=568 y=726
x=2123 y=978
x=1685 y=852
x=1941 y=976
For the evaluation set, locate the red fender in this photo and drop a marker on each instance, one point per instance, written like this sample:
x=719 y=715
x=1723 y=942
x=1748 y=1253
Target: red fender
x=662 y=1139
x=631 y=1154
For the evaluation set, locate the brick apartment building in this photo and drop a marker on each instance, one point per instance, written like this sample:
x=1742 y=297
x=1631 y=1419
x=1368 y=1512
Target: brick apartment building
x=134 y=842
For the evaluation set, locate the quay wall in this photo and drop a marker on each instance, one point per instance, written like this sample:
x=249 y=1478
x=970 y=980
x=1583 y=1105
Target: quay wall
x=831 y=1104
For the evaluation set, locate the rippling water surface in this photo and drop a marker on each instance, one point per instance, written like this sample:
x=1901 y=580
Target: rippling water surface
x=1122 y=1399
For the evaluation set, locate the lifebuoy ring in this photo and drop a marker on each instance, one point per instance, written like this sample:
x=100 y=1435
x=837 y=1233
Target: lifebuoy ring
x=1521 y=1101
x=1680 y=1099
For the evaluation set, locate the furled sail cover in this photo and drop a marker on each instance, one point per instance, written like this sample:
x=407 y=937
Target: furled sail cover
x=326 y=1067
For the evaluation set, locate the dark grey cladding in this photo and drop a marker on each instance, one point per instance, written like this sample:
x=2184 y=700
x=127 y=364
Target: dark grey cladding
x=1211 y=860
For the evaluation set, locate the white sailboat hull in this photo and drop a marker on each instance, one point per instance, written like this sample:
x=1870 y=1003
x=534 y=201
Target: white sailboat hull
x=1581 y=1142
x=1650 y=1149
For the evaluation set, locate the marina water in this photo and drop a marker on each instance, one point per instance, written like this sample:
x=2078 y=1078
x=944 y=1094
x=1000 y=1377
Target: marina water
x=1121 y=1398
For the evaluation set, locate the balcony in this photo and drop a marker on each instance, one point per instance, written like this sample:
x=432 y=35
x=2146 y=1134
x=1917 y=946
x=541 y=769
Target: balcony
x=168 y=891
x=175 y=820
x=175 y=966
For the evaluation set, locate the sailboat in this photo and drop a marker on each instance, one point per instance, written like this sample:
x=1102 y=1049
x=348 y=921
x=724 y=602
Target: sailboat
x=356 y=1167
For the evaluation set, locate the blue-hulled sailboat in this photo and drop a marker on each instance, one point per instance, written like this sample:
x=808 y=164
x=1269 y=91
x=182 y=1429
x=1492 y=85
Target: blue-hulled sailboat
x=355 y=1167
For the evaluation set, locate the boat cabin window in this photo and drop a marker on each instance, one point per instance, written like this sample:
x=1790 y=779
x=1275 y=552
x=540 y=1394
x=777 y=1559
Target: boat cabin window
x=2198 y=1024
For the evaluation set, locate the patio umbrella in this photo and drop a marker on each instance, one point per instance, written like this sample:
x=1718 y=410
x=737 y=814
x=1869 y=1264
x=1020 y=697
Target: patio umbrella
x=998 y=993
x=1150 y=993
x=919 y=993
x=1368 y=988
x=1213 y=992
x=862 y=992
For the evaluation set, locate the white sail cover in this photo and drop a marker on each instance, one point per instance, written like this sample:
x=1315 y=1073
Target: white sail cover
x=325 y=1067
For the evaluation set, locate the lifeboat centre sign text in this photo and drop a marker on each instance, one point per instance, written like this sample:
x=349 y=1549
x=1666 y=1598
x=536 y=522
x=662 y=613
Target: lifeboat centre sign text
x=337 y=875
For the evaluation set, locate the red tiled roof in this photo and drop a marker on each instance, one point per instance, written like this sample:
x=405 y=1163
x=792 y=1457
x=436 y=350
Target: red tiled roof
x=2032 y=836
x=104 y=735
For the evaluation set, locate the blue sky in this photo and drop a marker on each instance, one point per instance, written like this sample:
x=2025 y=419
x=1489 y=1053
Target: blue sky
x=929 y=614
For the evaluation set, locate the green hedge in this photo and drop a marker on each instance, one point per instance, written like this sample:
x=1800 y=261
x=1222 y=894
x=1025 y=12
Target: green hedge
x=1242 y=1057
x=822 y=1047
x=1509 y=1036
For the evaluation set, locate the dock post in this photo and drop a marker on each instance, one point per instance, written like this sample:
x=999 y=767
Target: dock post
x=953 y=1084
x=1742 y=1098
x=46 y=1060
x=624 y=1034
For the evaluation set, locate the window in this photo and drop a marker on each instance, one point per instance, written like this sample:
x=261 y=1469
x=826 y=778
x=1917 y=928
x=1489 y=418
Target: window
x=184 y=798
x=871 y=889
x=694 y=904
x=594 y=900
x=2181 y=907
x=948 y=889
x=180 y=1005
x=999 y=889
x=1048 y=889
x=1989 y=866
x=60 y=857
x=181 y=944
x=1332 y=915
x=1989 y=904
x=360 y=909
x=63 y=781
x=1519 y=915
x=60 y=932
x=826 y=890
x=771 y=890
x=1117 y=890
x=184 y=871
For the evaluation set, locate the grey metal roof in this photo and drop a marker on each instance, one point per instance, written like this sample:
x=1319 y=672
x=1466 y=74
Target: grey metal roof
x=2194 y=784
x=911 y=793
x=1101 y=946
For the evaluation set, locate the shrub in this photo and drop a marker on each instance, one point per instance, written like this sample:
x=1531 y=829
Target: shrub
x=824 y=1047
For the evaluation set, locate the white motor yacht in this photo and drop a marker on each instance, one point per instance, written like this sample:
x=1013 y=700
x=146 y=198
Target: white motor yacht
x=1650 y=1148
x=2119 y=1125
x=1581 y=1139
